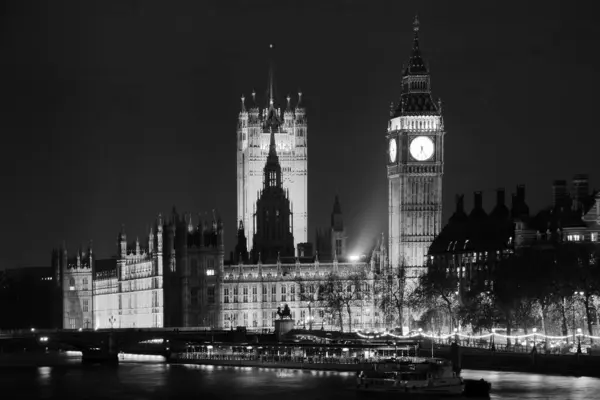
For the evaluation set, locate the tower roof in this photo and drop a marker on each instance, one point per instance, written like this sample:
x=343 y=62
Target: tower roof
x=416 y=89
x=337 y=208
x=272 y=170
x=416 y=65
x=272 y=158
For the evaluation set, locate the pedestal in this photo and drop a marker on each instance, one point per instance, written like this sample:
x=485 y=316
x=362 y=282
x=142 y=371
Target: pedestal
x=283 y=326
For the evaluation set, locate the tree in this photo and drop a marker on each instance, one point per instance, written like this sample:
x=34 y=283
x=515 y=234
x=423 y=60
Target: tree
x=340 y=292
x=478 y=310
x=390 y=296
x=308 y=287
x=587 y=280
x=438 y=288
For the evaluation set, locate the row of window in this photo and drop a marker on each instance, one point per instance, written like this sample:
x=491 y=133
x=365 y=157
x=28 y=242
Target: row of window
x=84 y=284
x=233 y=295
x=269 y=317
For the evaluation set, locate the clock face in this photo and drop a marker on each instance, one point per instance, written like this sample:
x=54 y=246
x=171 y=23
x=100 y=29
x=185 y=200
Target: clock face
x=393 y=150
x=421 y=148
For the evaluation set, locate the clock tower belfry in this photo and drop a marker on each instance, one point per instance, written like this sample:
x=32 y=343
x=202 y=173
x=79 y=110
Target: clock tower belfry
x=415 y=166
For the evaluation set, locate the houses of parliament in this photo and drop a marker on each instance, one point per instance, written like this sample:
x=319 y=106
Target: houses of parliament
x=178 y=274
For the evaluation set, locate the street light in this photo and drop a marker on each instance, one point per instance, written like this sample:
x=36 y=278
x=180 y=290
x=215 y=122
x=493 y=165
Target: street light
x=578 y=340
x=534 y=331
x=456 y=335
x=493 y=339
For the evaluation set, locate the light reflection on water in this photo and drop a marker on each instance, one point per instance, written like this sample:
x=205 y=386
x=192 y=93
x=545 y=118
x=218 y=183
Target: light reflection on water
x=517 y=385
x=135 y=380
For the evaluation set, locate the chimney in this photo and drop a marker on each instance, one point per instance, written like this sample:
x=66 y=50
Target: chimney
x=478 y=200
x=521 y=193
x=460 y=203
x=500 y=197
x=581 y=189
x=559 y=193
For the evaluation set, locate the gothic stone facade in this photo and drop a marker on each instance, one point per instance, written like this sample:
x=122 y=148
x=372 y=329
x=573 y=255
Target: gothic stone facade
x=171 y=282
x=253 y=136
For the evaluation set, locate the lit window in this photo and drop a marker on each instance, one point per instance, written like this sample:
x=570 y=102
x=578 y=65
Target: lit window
x=594 y=236
x=71 y=284
x=85 y=305
x=210 y=272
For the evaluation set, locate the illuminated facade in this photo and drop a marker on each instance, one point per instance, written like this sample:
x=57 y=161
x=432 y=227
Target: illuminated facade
x=273 y=276
x=251 y=294
x=415 y=165
x=132 y=294
x=75 y=278
x=171 y=282
x=253 y=137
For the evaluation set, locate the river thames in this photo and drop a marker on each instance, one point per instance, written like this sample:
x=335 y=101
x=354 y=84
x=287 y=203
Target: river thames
x=149 y=379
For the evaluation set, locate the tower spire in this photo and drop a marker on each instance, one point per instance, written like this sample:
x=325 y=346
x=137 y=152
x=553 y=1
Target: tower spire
x=272 y=119
x=416 y=66
x=271 y=90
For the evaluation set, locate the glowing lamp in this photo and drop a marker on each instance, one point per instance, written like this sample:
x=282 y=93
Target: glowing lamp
x=354 y=258
x=249 y=348
x=345 y=349
x=209 y=346
x=579 y=331
x=534 y=330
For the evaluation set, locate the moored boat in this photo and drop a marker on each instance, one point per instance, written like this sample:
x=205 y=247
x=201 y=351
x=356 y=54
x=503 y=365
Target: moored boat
x=426 y=376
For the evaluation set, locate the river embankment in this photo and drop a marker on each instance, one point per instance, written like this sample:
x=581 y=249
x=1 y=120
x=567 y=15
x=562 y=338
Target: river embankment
x=552 y=364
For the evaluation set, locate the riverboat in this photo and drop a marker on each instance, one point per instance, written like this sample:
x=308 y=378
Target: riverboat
x=418 y=377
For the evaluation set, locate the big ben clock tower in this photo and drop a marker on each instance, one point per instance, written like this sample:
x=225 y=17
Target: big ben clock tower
x=415 y=166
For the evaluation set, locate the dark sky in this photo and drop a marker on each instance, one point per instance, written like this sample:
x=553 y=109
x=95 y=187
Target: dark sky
x=114 y=111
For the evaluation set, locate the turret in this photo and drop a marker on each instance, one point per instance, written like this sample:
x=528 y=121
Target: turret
x=122 y=243
x=159 y=235
x=151 y=242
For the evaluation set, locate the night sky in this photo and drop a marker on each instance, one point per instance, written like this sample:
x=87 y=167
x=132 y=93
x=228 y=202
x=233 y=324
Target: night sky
x=114 y=111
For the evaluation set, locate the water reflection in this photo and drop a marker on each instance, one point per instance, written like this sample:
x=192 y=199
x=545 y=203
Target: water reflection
x=145 y=380
x=516 y=385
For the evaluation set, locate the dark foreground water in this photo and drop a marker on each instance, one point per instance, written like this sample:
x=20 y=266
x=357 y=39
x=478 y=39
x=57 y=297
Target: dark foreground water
x=151 y=380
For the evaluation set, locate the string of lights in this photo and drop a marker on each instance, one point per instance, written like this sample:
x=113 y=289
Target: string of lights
x=534 y=335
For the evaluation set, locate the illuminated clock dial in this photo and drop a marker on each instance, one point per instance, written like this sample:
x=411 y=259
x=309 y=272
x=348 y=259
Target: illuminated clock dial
x=393 y=150
x=421 y=148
